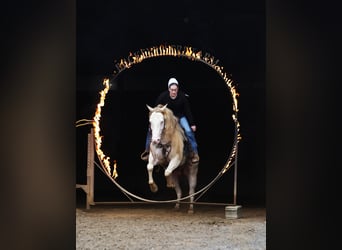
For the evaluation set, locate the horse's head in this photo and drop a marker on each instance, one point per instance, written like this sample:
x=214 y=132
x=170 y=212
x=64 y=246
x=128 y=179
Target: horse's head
x=157 y=122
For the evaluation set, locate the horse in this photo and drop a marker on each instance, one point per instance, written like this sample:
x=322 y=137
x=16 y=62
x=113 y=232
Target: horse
x=170 y=149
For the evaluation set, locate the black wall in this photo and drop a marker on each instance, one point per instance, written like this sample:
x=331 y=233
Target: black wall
x=231 y=31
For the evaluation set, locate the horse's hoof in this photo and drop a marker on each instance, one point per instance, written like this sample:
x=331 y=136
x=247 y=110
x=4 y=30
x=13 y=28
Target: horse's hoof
x=153 y=187
x=170 y=185
x=190 y=211
x=169 y=182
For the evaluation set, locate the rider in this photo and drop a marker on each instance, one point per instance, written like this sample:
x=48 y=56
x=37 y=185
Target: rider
x=177 y=101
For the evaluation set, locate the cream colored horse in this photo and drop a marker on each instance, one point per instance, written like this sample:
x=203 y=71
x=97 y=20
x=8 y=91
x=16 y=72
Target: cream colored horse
x=167 y=149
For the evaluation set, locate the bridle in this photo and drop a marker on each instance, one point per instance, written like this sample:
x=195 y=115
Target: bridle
x=166 y=148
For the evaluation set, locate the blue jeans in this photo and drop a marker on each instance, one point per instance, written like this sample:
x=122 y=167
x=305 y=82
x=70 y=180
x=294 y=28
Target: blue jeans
x=188 y=132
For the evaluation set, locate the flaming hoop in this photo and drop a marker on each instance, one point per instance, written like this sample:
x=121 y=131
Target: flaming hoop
x=164 y=50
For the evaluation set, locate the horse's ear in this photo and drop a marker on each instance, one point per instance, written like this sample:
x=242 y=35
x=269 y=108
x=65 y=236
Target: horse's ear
x=149 y=108
x=164 y=107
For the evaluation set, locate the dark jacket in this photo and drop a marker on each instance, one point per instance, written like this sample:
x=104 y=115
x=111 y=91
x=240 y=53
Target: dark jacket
x=180 y=106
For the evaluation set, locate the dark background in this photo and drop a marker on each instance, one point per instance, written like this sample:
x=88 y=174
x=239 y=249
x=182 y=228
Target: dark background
x=233 y=32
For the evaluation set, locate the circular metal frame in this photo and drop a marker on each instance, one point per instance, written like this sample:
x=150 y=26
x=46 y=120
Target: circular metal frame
x=159 y=51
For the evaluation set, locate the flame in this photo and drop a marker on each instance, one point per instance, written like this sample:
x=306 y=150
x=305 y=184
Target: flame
x=157 y=51
x=96 y=123
x=178 y=51
x=115 y=173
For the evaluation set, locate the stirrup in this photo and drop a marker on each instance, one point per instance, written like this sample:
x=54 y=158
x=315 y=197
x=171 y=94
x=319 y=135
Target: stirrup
x=144 y=155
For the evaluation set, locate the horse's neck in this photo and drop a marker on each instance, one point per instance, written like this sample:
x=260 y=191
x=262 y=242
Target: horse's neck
x=172 y=128
x=167 y=136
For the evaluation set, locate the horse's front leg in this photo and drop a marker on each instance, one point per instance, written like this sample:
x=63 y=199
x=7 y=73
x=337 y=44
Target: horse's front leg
x=173 y=164
x=150 y=166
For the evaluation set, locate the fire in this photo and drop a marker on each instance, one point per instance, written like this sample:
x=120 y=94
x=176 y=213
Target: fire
x=98 y=138
x=157 y=51
x=178 y=51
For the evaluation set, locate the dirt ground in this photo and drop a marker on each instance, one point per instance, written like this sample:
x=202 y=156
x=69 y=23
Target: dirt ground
x=159 y=226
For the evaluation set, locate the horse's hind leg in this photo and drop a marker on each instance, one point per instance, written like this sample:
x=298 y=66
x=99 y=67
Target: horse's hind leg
x=178 y=190
x=192 y=179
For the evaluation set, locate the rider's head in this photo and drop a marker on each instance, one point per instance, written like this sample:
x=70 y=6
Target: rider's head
x=173 y=87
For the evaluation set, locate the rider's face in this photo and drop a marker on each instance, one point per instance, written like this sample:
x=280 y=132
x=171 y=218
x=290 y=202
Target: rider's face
x=173 y=90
